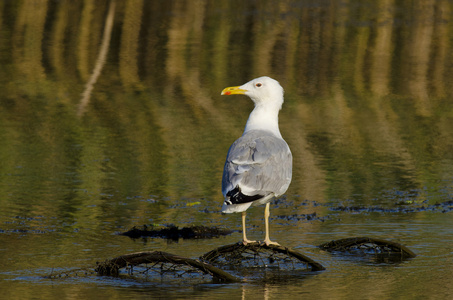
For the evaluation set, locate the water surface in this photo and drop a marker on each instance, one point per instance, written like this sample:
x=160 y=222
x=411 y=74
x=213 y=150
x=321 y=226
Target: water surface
x=111 y=117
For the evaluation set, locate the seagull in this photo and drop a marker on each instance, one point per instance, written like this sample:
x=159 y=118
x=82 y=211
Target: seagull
x=258 y=165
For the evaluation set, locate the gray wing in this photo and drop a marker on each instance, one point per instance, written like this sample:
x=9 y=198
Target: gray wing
x=259 y=163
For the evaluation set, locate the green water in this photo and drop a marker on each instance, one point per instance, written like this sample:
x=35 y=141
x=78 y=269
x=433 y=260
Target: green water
x=111 y=117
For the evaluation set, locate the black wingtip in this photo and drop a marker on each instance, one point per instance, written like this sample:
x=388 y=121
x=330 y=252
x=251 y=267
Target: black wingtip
x=235 y=196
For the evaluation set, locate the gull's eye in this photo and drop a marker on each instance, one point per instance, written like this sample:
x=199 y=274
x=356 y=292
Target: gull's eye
x=259 y=84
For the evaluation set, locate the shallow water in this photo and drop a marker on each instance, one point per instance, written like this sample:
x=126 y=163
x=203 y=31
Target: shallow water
x=105 y=128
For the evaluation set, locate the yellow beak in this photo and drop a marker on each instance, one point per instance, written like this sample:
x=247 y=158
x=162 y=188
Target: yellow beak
x=233 y=90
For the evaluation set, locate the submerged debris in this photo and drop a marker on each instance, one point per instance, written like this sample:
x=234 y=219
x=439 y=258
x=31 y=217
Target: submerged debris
x=230 y=263
x=85 y=272
x=401 y=207
x=383 y=250
x=256 y=254
x=236 y=262
x=162 y=263
x=301 y=217
x=173 y=232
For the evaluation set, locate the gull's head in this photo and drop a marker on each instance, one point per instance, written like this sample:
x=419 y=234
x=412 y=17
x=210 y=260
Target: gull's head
x=263 y=91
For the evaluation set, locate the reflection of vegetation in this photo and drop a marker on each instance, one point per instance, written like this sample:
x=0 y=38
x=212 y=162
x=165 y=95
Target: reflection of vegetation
x=366 y=89
x=100 y=61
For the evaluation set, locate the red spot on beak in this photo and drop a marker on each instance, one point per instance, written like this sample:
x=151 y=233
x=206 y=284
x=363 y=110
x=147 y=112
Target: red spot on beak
x=228 y=93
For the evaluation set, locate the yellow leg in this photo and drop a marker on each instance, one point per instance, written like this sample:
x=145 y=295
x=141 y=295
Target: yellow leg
x=267 y=240
x=245 y=241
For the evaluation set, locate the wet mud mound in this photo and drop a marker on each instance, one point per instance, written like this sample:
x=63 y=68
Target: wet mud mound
x=380 y=250
x=173 y=232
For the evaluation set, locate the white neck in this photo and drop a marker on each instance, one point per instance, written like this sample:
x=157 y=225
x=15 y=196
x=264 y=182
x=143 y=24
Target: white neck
x=264 y=118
